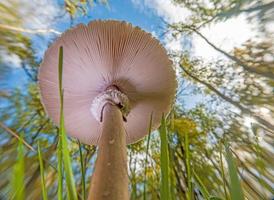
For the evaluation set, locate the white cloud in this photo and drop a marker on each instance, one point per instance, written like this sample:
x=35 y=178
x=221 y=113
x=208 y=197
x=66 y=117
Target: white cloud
x=38 y=14
x=10 y=59
x=164 y=8
x=154 y=34
x=225 y=35
x=173 y=44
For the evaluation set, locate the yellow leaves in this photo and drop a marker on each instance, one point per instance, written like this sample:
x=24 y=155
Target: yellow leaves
x=74 y=6
x=150 y=173
x=185 y=126
x=185 y=62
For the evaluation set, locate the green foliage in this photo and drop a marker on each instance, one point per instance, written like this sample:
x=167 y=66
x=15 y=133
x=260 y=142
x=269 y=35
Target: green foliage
x=165 y=190
x=18 y=175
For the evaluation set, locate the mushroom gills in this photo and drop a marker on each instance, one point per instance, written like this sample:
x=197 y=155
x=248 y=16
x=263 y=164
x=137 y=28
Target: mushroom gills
x=111 y=95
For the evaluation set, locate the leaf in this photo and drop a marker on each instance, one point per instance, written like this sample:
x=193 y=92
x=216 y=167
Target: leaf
x=44 y=190
x=185 y=126
x=165 y=193
x=236 y=192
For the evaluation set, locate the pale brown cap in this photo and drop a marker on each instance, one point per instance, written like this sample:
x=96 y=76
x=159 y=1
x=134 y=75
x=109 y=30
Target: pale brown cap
x=99 y=55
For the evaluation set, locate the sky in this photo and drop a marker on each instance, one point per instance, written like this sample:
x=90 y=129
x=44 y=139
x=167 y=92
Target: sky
x=147 y=14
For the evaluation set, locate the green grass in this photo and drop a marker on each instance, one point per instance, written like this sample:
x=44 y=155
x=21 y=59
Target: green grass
x=201 y=186
x=147 y=148
x=223 y=173
x=44 y=189
x=63 y=151
x=17 y=181
x=188 y=169
x=59 y=147
x=164 y=158
x=236 y=192
x=83 y=172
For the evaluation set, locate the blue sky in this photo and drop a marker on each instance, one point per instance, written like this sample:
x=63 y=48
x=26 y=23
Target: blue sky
x=147 y=14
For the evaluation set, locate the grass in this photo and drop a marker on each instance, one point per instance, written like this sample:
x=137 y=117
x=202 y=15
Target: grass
x=59 y=147
x=164 y=158
x=83 y=172
x=44 y=189
x=188 y=169
x=202 y=187
x=223 y=173
x=63 y=151
x=236 y=192
x=17 y=181
x=147 y=148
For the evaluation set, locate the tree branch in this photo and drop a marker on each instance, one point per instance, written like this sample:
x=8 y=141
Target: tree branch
x=7 y=129
x=229 y=100
x=268 y=73
x=32 y=31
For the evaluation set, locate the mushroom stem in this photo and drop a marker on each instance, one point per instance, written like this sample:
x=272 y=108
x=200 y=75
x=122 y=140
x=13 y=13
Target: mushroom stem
x=110 y=178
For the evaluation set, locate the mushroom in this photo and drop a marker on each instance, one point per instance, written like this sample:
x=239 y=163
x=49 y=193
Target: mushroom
x=114 y=77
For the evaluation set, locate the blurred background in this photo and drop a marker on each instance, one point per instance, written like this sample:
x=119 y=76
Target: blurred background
x=223 y=54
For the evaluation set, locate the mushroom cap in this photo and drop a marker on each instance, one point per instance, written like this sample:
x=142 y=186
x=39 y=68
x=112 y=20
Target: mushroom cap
x=99 y=55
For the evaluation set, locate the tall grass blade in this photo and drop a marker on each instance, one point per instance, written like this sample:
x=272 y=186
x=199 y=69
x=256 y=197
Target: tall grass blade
x=172 y=180
x=215 y=198
x=60 y=170
x=188 y=170
x=223 y=173
x=147 y=148
x=17 y=182
x=83 y=172
x=59 y=147
x=201 y=186
x=260 y=163
x=71 y=189
x=236 y=192
x=164 y=189
x=44 y=189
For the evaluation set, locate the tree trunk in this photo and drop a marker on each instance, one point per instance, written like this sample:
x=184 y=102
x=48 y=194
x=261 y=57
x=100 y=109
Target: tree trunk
x=110 y=177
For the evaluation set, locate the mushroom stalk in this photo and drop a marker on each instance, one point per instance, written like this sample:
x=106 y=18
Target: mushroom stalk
x=110 y=178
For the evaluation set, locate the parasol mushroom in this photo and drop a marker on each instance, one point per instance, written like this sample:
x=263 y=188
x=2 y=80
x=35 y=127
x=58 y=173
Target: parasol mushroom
x=114 y=76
